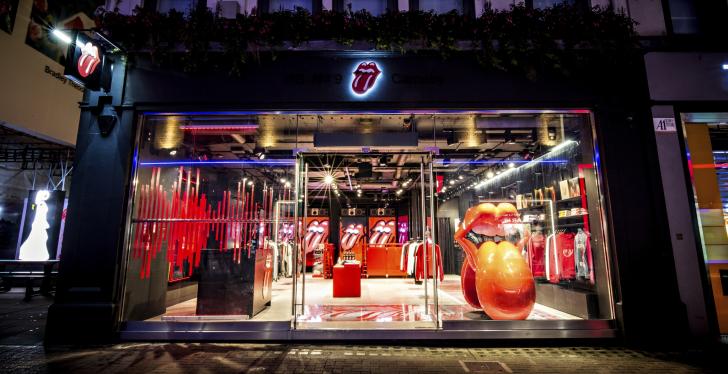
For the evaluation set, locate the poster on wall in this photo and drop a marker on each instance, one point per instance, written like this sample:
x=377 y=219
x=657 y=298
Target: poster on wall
x=316 y=237
x=41 y=226
x=64 y=15
x=8 y=10
x=402 y=229
x=352 y=232
x=382 y=230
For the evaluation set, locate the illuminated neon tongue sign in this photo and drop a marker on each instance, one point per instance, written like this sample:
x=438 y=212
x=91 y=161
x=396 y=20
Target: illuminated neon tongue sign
x=89 y=59
x=365 y=77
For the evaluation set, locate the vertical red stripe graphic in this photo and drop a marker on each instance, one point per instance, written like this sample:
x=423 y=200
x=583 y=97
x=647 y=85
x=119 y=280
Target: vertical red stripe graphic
x=182 y=219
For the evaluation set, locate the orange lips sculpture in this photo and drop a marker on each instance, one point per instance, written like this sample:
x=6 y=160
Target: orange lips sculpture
x=495 y=276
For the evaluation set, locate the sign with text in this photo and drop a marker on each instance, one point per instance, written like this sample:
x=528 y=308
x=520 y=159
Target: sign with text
x=664 y=124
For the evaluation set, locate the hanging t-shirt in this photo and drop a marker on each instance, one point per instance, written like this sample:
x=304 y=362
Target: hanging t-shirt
x=536 y=257
x=583 y=254
x=565 y=245
x=421 y=267
x=552 y=259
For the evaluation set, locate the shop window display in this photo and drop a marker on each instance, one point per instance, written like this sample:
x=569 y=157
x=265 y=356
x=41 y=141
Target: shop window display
x=707 y=152
x=233 y=214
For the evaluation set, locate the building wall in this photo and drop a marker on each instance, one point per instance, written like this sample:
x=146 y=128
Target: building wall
x=35 y=97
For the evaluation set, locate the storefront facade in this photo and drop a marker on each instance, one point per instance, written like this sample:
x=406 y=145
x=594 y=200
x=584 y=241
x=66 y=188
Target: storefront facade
x=415 y=139
x=690 y=147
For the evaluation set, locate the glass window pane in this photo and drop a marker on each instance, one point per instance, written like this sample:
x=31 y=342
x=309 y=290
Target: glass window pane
x=374 y=7
x=683 y=16
x=214 y=198
x=183 y=6
x=278 y=5
x=707 y=145
x=541 y=4
x=441 y=6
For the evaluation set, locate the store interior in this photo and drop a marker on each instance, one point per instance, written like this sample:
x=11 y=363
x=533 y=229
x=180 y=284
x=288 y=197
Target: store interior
x=321 y=218
x=706 y=141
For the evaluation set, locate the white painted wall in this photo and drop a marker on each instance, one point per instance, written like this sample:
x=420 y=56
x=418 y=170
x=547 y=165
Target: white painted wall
x=31 y=100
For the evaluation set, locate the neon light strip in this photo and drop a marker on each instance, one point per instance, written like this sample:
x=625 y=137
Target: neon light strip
x=716 y=262
x=370 y=112
x=219 y=162
x=486 y=162
x=217 y=127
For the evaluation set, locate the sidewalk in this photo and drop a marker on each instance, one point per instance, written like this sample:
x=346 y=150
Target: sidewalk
x=22 y=322
x=21 y=351
x=350 y=359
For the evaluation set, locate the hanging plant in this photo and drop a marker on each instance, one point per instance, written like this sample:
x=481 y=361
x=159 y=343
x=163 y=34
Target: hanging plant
x=566 y=39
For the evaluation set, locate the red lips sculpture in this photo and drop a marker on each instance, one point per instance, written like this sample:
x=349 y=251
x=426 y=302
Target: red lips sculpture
x=496 y=273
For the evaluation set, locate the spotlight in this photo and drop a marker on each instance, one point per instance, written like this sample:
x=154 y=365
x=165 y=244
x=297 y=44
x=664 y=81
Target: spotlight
x=328 y=179
x=511 y=165
x=261 y=155
x=460 y=177
x=62 y=36
x=489 y=174
x=173 y=152
x=283 y=180
x=250 y=183
x=452 y=182
x=288 y=184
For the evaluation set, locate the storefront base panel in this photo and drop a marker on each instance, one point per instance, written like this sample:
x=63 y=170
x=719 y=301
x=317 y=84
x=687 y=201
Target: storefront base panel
x=281 y=331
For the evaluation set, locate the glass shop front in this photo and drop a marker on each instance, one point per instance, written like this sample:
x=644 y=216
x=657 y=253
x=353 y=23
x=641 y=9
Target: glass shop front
x=306 y=224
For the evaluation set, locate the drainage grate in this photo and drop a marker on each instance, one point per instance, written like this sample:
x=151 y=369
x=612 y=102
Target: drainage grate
x=485 y=367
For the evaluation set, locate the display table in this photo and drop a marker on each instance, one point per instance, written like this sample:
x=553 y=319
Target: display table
x=347 y=280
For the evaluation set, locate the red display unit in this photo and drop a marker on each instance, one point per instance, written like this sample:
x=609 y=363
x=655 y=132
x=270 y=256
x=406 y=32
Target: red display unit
x=347 y=280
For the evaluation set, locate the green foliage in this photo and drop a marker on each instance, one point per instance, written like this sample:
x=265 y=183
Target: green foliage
x=564 y=39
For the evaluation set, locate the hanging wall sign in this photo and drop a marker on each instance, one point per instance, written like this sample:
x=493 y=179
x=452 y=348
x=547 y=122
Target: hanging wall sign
x=87 y=63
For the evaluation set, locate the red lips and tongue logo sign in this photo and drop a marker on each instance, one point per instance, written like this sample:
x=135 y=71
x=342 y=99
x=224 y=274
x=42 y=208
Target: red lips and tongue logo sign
x=89 y=59
x=365 y=77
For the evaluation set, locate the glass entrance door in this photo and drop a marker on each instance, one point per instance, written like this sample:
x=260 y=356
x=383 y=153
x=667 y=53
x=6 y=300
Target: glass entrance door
x=361 y=259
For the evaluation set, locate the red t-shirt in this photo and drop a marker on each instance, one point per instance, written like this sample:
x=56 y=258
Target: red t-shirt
x=536 y=248
x=565 y=248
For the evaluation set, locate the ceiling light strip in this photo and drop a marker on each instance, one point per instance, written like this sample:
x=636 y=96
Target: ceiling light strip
x=533 y=162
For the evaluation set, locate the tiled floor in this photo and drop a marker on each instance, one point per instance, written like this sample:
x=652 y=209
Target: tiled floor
x=398 y=302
